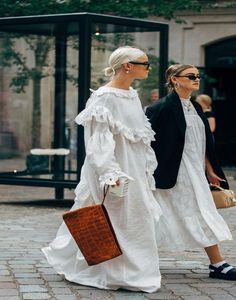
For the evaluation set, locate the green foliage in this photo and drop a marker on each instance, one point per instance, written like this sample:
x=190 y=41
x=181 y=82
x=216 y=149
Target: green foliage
x=125 y=8
x=10 y=8
x=9 y=56
x=20 y=81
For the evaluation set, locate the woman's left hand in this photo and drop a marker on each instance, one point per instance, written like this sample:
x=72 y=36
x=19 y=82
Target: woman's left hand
x=211 y=175
x=214 y=179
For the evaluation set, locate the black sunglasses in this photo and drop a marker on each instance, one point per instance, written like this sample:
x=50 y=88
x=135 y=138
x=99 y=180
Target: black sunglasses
x=147 y=64
x=190 y=77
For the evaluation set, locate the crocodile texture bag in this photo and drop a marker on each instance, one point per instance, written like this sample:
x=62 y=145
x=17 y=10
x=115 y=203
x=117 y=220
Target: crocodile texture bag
x=223 y=198
x=92 y=230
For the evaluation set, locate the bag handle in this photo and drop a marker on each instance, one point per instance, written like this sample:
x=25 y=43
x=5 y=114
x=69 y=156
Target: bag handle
x=217 y=186
x=105 y=191
x=221 y=189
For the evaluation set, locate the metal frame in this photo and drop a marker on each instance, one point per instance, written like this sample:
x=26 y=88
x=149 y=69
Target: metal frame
x=85 y=21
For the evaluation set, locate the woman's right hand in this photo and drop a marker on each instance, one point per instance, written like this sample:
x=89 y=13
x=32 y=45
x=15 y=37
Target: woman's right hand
x=117 y=183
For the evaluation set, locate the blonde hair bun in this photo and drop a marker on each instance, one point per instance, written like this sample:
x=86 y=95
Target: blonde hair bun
x=121 y=56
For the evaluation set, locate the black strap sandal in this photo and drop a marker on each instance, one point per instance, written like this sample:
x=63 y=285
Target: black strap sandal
x=217 y=272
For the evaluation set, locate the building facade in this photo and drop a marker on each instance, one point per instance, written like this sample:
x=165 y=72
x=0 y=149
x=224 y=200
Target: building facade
x=208 y=41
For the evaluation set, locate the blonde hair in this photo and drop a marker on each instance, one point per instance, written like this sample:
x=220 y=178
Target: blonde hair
x=175 y=70
x=204 y=99
x=121 y=56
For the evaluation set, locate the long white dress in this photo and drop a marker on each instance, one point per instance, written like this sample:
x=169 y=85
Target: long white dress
x=117 y=138
x=190 y=216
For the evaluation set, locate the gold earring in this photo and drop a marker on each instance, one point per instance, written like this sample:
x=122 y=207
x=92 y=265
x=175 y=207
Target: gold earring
x=176 y=85
x=127 y=72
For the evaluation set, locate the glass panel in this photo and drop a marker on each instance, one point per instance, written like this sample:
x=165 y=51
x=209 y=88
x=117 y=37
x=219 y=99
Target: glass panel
x=27 y=68
x=108 y=37
x=27 y=92
x=31 y=57
x=72 y=102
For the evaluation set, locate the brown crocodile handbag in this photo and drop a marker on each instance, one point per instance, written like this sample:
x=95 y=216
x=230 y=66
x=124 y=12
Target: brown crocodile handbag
x=92 y=230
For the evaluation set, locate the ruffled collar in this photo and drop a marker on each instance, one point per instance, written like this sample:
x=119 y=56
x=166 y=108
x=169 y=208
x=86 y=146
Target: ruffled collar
x=129 y=94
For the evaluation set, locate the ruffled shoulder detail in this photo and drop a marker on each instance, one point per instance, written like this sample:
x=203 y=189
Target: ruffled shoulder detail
x=103 y=115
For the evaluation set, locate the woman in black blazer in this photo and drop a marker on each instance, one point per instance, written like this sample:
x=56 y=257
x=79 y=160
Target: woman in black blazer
x=187 y=161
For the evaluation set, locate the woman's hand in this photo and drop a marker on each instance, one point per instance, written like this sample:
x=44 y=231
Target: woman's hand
x=117 y=183
x=211 y=175
x=213 y=178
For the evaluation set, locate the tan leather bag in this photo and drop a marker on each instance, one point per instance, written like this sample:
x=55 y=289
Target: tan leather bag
x=223 y=198
x=92 y=230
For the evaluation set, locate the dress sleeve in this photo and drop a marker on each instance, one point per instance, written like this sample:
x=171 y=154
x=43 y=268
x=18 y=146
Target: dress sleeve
x=100 y=152
x=100 y=145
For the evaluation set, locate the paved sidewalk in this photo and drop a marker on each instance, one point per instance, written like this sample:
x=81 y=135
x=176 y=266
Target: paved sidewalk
x=28 y=225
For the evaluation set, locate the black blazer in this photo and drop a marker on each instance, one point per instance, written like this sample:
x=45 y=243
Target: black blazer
x=168 y=122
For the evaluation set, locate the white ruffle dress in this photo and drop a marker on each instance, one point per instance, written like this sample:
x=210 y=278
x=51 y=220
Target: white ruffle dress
x=189 y=213
x=117 y=140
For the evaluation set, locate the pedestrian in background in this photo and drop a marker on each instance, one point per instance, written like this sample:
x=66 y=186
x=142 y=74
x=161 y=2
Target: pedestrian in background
x=206 y=103
x=185 y=154
x=154 y=96
x=117 y=140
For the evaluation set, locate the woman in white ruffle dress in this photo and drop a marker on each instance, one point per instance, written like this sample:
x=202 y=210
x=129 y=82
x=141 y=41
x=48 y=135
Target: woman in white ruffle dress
x=117 y=141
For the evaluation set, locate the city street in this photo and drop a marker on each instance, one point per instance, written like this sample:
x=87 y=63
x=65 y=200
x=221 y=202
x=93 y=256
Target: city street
x=96 y=90
x=29 y=220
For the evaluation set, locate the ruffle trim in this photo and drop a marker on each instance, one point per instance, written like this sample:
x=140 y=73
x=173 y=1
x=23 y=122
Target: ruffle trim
x=129 y=94
x=112 y=177
x=103 y=115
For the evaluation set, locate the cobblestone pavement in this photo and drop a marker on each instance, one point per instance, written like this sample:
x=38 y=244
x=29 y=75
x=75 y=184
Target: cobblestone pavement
x=28 y=224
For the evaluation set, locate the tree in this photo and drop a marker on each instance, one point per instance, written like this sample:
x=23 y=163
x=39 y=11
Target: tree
x=40 y=47
x=125 y=8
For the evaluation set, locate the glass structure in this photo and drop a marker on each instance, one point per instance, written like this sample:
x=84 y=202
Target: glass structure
x=48 y=64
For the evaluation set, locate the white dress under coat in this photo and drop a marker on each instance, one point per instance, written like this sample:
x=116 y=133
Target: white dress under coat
x=117 y=139
x=189 y=213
